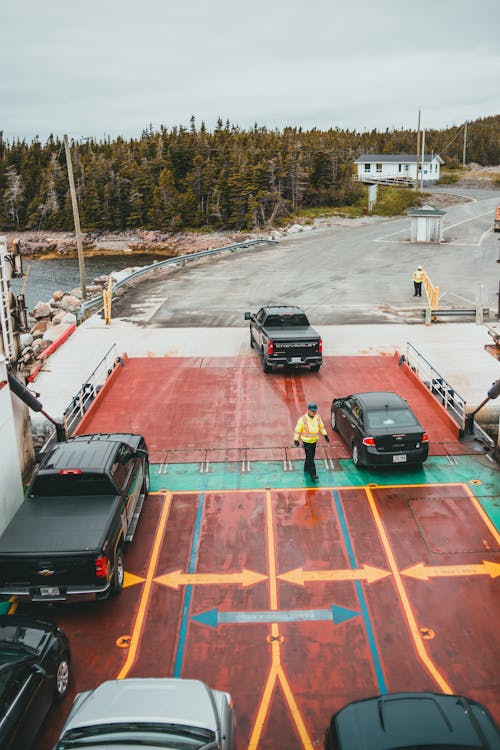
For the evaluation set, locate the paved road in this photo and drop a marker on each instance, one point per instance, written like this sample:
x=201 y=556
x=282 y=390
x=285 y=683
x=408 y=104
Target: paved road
x=338 y=274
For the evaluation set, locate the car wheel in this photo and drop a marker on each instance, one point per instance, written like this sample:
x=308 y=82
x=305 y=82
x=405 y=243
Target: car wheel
x=146 y=480
x=334 y=421
x=119 y=572
x=61 y=684
x=355 y=455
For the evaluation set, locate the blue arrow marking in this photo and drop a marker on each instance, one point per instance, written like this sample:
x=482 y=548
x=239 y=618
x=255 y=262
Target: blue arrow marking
x=213 y=618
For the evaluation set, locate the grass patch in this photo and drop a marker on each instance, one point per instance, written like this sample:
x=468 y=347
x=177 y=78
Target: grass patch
x=394 y=201
x=448 y=178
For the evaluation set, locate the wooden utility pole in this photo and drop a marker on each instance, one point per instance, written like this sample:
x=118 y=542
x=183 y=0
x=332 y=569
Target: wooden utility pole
x=76 y=218
x=418 y=149
x=465 y=143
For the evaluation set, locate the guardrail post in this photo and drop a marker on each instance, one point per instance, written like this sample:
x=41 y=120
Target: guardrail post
x=428 y=316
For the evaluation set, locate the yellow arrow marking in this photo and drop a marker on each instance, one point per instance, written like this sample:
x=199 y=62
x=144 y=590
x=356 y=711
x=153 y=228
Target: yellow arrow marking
x=178 y=578
x=130 y=579
x=366 y=573
x=424 y=572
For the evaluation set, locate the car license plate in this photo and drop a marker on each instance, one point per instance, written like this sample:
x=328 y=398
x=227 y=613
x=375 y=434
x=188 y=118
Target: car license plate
x=401 y=459
x=296 y=360
x=49 y=591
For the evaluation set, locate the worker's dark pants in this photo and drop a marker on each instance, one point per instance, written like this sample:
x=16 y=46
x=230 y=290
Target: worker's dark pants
x=418 y=288
x=309 y=465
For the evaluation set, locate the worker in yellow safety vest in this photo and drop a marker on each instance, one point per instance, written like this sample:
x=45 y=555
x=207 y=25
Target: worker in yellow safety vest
x=308 y=428
x=418 y=277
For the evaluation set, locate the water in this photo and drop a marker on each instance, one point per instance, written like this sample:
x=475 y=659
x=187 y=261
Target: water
x=45 y=276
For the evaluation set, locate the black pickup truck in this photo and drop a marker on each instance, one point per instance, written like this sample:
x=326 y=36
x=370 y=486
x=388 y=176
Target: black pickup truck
x=66 y=541
x=282 y=336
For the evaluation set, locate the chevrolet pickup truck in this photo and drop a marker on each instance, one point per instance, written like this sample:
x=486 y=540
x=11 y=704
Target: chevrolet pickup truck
x=66 y=541
x=281 y=335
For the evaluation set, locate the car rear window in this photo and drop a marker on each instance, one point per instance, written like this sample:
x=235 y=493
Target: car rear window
x=388 y=418
x=72 y=485
x=286 y=321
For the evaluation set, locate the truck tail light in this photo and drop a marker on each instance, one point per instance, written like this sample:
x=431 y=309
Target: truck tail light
x=270 y=347
x=368 y=441
x=425 y=438
x=320 y=346
x=64 y=472
x=101 y=566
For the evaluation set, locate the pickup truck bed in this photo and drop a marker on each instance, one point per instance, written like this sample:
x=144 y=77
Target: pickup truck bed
x=65 y=525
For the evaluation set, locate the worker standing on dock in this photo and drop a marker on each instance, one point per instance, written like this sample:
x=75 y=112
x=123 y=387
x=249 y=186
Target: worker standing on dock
x=309 y=427
x=418 y=277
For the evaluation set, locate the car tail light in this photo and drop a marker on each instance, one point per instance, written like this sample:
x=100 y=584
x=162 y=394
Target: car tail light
x=270 y=347
x=369 y=441
x=425 y=438
x=320 y=346
x=101 y=566
x=70 y=471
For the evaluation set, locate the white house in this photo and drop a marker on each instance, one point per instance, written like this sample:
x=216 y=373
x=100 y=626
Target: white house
x=393 y=169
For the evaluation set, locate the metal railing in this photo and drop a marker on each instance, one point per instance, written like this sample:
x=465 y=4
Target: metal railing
x=442 y=391
x=81 y=402
x=97 y=301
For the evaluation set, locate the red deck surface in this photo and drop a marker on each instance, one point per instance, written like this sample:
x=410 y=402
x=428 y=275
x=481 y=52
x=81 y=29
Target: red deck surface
x=287 y=677
x=228 y=404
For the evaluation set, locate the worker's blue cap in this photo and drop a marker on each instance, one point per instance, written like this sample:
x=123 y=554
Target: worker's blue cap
x=312 y=406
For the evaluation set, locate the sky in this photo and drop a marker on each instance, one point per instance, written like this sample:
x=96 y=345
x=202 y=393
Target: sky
x=108 y=68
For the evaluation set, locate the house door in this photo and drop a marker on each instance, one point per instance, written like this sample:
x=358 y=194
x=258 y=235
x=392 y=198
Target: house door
x=421 y=229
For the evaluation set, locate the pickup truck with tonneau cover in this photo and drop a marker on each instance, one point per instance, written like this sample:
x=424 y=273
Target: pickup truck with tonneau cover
x=67 y=539
x=281 y=335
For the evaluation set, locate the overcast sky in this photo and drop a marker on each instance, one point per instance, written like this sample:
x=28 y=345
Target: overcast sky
x=112 y=67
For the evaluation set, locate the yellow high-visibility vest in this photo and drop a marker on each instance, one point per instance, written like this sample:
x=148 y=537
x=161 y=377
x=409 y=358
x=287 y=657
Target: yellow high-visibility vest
x=418 y=276
x=309 y=428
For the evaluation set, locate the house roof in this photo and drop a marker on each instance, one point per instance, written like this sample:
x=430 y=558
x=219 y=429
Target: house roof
x=398 y=158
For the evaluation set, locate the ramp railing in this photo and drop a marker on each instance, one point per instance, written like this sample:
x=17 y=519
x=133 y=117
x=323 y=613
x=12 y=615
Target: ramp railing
x=442 y=391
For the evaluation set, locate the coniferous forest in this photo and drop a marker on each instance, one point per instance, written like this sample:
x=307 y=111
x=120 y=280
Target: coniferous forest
x=187 y=178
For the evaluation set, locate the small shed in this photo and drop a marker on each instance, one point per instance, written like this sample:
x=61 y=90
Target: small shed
x=426 y=224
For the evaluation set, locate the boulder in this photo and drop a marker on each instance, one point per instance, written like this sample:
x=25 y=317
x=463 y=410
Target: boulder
x=58 y=317
x=26 y=339
x=40 y=326
x=58 y=295
x=41 y=310
x=294 y=229
x=68 y=319
x=70 y=303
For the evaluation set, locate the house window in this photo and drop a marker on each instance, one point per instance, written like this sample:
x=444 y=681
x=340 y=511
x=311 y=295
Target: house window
x=379 y=167
x=406 y=167
x=367 y=167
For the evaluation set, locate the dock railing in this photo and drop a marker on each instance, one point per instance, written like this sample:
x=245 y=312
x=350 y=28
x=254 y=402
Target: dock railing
x=82 y=400
x=97 y=302
x=442 y=391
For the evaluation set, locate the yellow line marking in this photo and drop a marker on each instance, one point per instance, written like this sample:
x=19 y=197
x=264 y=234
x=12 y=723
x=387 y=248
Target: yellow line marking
x=424 y=572
x=366 y=573
x=143 y=603
x=276 y=670
x=410 y=618
x=486 y=519
x=178 y=578
x=322 y=487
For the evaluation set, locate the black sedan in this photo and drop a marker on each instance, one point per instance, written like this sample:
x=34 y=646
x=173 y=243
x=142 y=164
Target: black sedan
x=34 y=672
x=380 y=429
x=427 y=721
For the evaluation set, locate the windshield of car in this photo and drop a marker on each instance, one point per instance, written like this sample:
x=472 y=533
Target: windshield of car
x=171 y=736
x=390 y=418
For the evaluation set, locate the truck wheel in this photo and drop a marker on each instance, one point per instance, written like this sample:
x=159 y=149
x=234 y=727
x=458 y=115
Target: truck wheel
x=334 y=421
x=252 y=340
x=61 y=682
x=119 y=573
x=146 y=481
x=265 y=366
x=315 y=368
